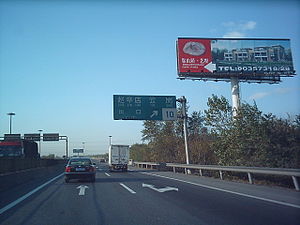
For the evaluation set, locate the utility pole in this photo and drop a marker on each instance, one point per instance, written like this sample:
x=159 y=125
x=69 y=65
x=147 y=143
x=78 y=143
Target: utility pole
x=182 y=100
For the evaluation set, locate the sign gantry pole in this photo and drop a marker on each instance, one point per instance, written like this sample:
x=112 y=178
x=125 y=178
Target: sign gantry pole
x=67 y=147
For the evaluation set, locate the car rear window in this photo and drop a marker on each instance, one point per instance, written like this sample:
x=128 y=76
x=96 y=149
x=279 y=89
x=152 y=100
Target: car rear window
x=80 y=162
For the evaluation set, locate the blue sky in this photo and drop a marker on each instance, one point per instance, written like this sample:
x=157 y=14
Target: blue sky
x=62 y=61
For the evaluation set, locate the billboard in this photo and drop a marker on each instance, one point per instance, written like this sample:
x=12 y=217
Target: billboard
x=222 y=58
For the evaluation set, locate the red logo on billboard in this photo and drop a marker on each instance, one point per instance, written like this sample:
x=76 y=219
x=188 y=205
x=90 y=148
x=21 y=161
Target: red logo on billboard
x=194 y=56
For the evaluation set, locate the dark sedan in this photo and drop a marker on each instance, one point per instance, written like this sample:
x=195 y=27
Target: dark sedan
x=80 y=168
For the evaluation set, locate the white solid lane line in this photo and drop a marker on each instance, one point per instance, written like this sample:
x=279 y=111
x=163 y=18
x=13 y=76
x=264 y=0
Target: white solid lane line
x=127 y=188
x=107 y=174
x=227 y=191
x=14 y=203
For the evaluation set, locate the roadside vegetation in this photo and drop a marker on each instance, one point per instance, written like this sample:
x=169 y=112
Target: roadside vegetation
x=215 y=138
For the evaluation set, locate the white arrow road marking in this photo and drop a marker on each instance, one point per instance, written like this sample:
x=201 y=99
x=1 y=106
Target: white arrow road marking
x=127 y=188
x=154 y=113
x=82 y=189
x=211 y=67
x=161 y=190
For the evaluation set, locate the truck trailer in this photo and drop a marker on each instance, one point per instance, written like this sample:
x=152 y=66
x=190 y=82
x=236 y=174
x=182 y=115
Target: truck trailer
x=118 y=157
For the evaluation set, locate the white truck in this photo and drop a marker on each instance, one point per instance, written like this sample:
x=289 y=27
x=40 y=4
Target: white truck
x=118 y=157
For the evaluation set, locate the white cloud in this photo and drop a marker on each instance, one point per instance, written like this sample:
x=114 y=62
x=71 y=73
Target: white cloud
x=234 y=34
x=229 y=24
x=283 y=90
x=277 y=91
x=259 y=95
x=238 y=29
x=250 y=25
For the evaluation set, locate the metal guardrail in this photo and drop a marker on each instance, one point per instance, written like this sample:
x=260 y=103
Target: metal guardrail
x=293 y=173
x=146 y=164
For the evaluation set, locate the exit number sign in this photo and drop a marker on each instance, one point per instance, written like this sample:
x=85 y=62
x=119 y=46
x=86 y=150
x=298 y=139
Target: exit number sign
x=137 y=107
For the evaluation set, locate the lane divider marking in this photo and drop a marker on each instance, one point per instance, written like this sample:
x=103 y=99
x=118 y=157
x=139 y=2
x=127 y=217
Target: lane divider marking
x=107 y=174
x=127 y=188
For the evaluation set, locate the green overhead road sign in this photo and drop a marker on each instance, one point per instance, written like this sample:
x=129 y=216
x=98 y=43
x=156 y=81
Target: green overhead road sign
x=78 y=150
x=51 y=137
x=12 y=137
x=137 y=107
x=32 y=137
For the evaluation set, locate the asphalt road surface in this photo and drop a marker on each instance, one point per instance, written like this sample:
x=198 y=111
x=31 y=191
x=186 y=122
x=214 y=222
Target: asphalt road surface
x=148 y=197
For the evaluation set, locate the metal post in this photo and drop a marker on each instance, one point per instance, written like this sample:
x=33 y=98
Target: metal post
x=110 y=140
x=83 y=146
x=250 y=178
x=185 y=130
x=295 y=183
x=221 y=174
x=235 y=93
x=67 y=147
x=174 y=169
x=200 y=172
x=182 y=100
x=10 y=121
x=40 y=143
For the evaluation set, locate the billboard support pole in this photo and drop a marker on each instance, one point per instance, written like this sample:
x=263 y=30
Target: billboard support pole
x=235 y=93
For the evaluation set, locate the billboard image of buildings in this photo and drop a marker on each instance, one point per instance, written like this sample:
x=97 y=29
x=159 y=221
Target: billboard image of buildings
x=247 y=59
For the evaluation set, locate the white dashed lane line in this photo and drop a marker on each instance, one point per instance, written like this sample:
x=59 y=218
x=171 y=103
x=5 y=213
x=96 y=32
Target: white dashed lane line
x=127 y=188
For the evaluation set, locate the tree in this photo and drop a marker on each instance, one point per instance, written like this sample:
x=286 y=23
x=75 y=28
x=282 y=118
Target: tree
x=218 y=115
x=283 y=149
x=252 y=139
x=140 y=152
x=195 y=123
x=151 y=130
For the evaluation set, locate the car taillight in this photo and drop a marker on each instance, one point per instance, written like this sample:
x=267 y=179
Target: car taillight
x=68 y=169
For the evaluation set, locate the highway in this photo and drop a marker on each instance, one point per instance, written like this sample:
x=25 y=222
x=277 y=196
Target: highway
x=147 y=197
